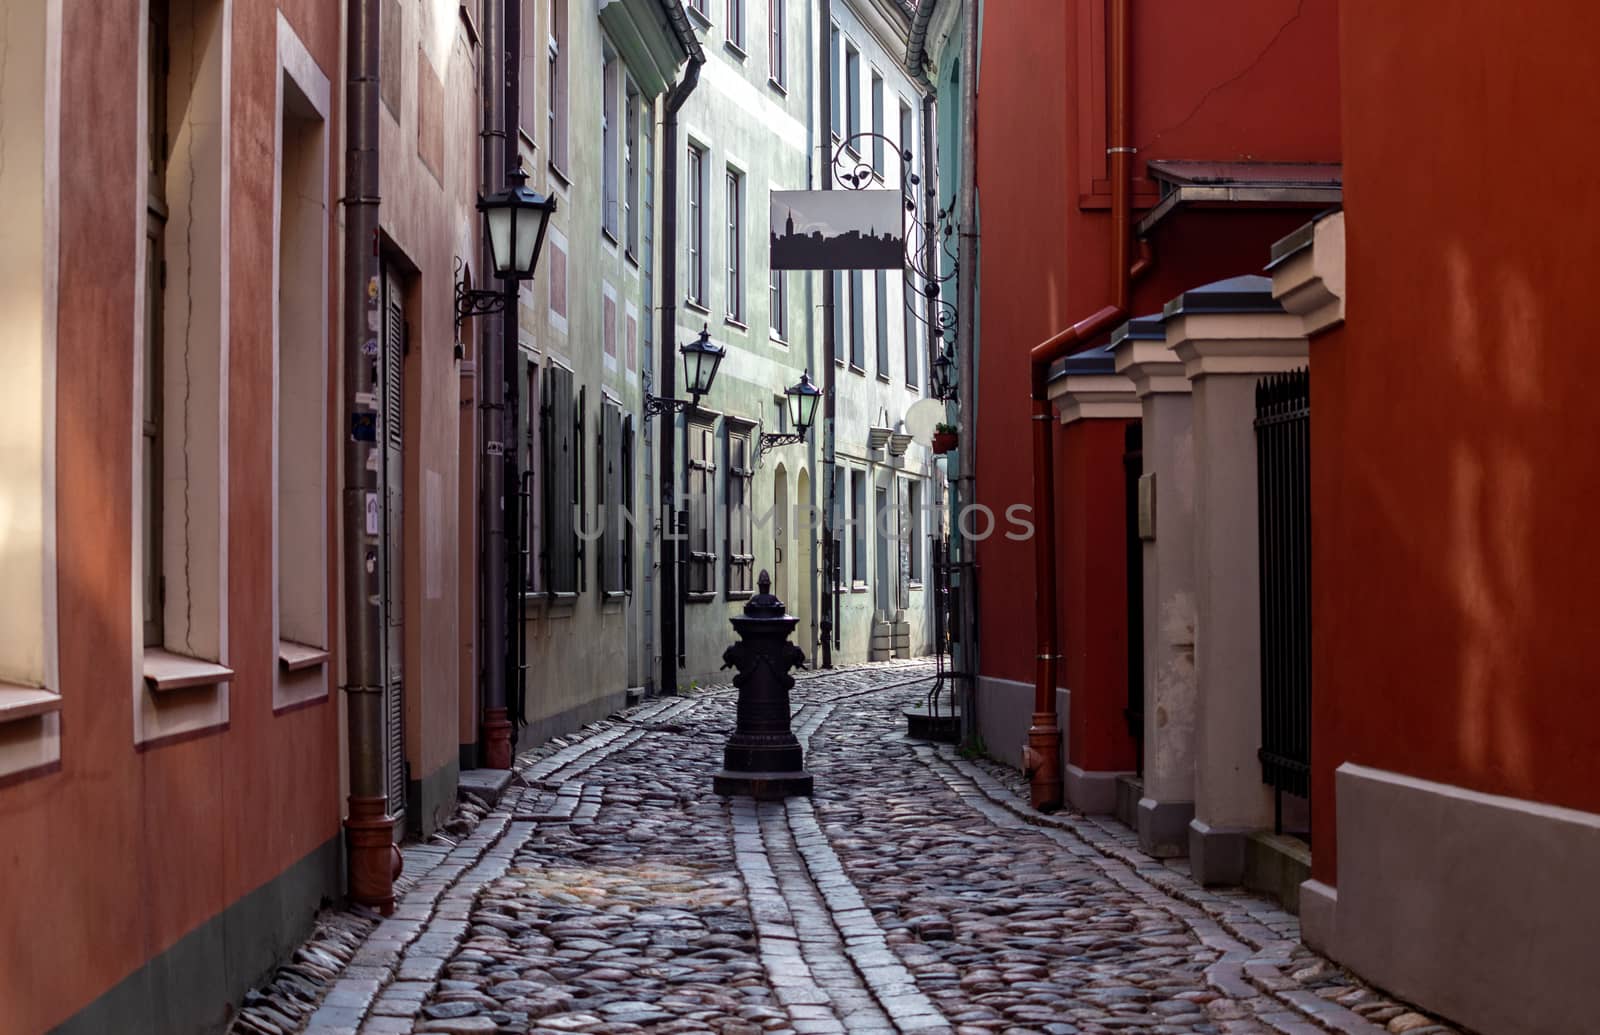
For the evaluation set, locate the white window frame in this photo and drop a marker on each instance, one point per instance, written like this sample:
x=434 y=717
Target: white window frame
x=630 y=167
x=694 y=188
x=610 y=145
x=733 y=181
x=30 y=679
x=852 y=93
x=876 y=99
x=777 y=33
x=557 y=87
x=733 y=25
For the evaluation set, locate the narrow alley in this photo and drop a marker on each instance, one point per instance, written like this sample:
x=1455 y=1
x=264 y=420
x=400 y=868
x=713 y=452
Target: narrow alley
x=612 y=891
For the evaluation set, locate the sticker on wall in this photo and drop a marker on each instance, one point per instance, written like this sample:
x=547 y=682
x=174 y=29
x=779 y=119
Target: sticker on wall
x=369 y=347
x=372 y=289
x=372 y=320
x=364 y=427
x=372 y=513
x=372 y=563
x=373 y=460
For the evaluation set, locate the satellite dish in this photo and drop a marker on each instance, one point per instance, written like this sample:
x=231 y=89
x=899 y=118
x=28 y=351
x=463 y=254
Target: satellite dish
x=921 y=418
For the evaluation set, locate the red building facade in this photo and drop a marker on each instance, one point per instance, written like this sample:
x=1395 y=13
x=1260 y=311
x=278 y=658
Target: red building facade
x=1240 y=89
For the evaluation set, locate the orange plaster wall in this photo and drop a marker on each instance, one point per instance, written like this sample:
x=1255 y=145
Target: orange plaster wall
x=1246 y=80
x=1455 y=478
x=111 y=859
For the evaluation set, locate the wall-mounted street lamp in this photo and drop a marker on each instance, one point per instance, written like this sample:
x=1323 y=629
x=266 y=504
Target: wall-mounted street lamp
x=516 y=218
x=800 y=400
x=944 y=376
x=701 y=358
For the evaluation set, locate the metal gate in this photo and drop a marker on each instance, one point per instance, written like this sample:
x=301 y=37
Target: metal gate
x=393 y=477
x=1283 y=472
x=1132 y=469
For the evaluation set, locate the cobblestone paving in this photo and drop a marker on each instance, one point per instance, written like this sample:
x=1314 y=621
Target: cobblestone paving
x=611 y=891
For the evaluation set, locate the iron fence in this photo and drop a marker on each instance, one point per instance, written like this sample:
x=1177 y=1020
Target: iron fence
x=1283 y=472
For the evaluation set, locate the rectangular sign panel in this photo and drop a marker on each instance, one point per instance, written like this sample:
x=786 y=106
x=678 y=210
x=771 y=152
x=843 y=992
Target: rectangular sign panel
x=838 y=230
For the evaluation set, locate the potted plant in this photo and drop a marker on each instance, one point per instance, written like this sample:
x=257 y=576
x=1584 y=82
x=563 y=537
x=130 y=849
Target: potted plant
x=944 y=438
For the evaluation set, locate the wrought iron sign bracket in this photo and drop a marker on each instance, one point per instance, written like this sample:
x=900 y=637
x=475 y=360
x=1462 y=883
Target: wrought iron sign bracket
x=472 y=302
x=655 y=406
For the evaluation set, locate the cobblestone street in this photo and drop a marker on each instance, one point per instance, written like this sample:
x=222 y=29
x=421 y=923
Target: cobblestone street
x=612 y=891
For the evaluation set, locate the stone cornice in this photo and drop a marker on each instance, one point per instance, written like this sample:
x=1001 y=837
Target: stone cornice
x=1094 y=396
x=1309 y=279
x=1242 y=343
x=1151 y=366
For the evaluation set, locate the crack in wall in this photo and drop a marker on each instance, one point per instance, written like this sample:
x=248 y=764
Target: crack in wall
x=1251 y=66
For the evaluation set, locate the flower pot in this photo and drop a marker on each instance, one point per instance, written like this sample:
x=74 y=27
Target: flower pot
x=944 y=441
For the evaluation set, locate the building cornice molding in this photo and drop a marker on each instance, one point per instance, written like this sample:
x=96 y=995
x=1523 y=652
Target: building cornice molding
x=1308 y=275
x=1153 y=368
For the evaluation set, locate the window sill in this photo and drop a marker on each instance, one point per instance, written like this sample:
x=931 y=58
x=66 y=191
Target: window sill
x=610 y=235
x=735 y=49
x=165 y=671
x=633 y=260
x=777 y=85
x=917 y=389
x=777 y=339
x=858 y=587
x=915 y=585
x=561 y=177
x=735 y=322
x=471 y=26
x=297 y=657
x=700 y=598
x=698 y=15
x=858 y=370
x=884 y=378
x=26 y=702
x=694 y=304
x=744 y=594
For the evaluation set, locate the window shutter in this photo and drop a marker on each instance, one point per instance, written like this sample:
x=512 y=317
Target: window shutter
x=579 y=490
x=627 y=502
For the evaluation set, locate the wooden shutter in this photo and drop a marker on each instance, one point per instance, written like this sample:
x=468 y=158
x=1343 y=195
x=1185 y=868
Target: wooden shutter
x=580 y=487
x=741 y=554
x=702 y=471
x=393 y=549
x=625 y=532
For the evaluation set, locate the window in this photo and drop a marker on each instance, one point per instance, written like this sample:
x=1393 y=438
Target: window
x=908 y=143
x=610 y=141
x=880 y=306
x=561 y=433
x=778 y=305
x=734 y=27
x=529 y=462
x=741 y=478
x=834 y=98
x=775 y=51
x=528 y=74
x=30 y=720
x=182 y=562
x=699 y=7
x=630 y=169
x=735 y=202
x=913 y=530
x=858 y=317
x=695 y=197
x=701 y=532
x=839 y=303
x=557 y=99
x=300 y=484
x=859 y=522
x=852 y=92
x=614 y=450
x=877 y=124
x=912 y=325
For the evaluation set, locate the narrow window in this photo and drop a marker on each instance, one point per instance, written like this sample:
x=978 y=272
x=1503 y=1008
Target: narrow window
x=913 y=530
x=698 y=7
x=852 y=92
x=741 y=552
x=775 y=50
x=735 y=23
x=840 y=301
x=528 y=78
x=614 y=531
x=778 y=302
x=735 y=202
x=695 y=196
x=912 y=326
x=859 y=522
x=558 y=85
x=858 y=318
x=701 y=542
x=834 y=99
x=877 y=124
x=908 y=143
x=880 y=306
x=630 y=169
x=610 y=134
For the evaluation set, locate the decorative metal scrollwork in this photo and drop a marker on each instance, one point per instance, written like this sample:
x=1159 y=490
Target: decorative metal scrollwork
x=853 y=169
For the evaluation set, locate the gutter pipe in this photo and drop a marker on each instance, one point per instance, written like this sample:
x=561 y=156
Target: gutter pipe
x=372 y=858
x=1042 y=753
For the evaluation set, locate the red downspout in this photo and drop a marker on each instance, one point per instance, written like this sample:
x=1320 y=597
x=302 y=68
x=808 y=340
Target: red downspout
x=1042 y=754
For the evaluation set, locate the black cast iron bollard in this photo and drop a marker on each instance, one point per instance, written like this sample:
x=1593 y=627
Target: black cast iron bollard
x=763 y=759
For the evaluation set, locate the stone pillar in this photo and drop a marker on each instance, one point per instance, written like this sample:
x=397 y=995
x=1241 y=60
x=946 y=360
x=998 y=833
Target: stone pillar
x=1228 y=335
x=1095 y=404
x=1166 y=498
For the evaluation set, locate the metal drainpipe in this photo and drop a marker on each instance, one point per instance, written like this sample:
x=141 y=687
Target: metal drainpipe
x=830 y=599
x=495 y=732
x=372 y=857
x=1042 y=754
x=967 y=379
x=670 y=597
